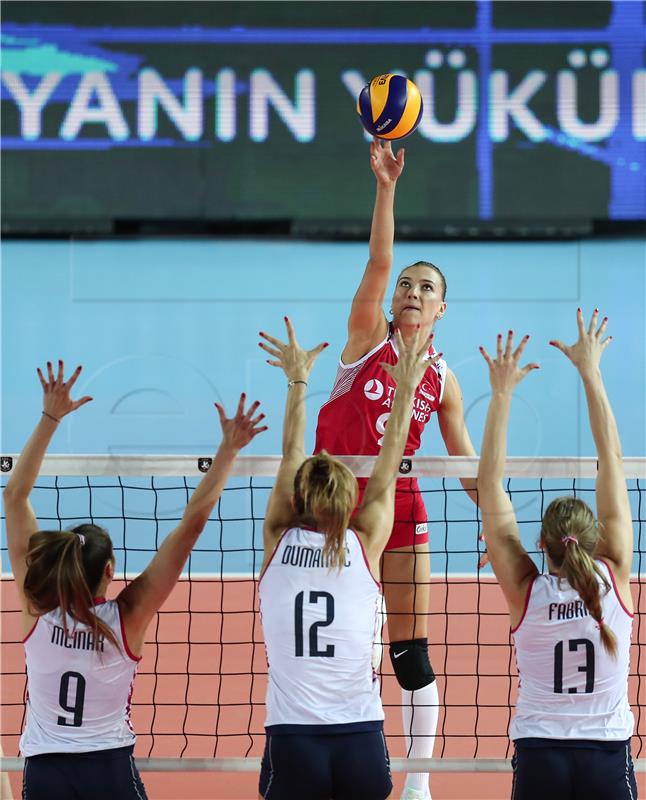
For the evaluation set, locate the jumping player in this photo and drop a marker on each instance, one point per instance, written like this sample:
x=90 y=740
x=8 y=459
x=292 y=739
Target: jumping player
x=572 y=627
x=81 y=649
x=353 y=421
x=319 y=599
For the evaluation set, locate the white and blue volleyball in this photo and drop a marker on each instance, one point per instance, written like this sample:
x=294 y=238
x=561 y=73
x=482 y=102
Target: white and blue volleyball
x=390 y=107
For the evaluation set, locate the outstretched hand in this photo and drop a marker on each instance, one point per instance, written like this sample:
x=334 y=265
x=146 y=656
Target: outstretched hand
x=56 y=392
x=386 y=166
x=412 y=362
x=295 y=362
x=586 y=353
x=238 y=431
x=505 y=373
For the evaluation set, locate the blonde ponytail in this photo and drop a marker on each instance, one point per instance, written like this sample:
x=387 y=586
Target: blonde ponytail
x=325 y=491
x=570 y=534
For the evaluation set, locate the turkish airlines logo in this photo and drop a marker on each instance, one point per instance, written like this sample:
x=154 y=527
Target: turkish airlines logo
x=425 y=389
x=373 y=389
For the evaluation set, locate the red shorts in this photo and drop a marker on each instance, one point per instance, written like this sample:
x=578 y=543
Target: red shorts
x=411 y=520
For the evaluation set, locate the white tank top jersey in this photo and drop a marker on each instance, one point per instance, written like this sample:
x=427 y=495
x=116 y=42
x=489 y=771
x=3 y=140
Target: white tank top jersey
x=319 y=625
x=78 y=688
x=570 y=686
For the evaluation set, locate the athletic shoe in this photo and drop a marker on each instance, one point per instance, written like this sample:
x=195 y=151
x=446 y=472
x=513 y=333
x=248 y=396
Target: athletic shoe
x=415 y=794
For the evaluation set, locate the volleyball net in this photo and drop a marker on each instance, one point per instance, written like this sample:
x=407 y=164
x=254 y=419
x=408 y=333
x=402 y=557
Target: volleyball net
x=198 y=700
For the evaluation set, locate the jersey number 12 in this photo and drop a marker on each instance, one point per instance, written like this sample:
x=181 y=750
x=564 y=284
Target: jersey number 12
x=314 y=650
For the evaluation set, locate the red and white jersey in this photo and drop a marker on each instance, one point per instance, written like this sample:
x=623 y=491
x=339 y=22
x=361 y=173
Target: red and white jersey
x=319 y=625
x=79 y=687
x=570 y=686
x=353 y=420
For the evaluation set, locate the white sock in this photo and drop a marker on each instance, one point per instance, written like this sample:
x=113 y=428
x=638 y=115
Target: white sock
x=420 y=710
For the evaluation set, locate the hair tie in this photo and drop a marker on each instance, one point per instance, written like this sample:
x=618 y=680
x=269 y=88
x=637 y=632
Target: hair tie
x=567 y=539
x=602 y=622
x=81 y=538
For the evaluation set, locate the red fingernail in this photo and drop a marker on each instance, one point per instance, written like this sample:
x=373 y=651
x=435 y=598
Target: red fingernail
x=244 y=394
x=527 y=336
x=551 y=341
x=326 y=344
x=596 y=311
x=605 y=319
x=510 y=332
x=285 y=319
x=578 y=309
x=500 y=335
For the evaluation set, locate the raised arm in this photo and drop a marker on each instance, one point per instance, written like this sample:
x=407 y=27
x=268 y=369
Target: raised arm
x=613 y=506
x=367 y=324
x=142 y=598
x=20 y=518
x=511 y=564
x=374 y=520
x=297 y=364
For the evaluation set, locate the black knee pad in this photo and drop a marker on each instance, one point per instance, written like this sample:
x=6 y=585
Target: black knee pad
x=410 y=661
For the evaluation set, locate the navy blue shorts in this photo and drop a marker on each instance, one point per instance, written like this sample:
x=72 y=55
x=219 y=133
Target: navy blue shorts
x=101 y=775
x=572 y=769
x=341 y=766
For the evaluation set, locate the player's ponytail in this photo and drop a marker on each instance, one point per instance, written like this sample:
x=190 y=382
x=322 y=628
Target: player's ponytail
x=570 y=535
x=64 y=570
x=325 y=491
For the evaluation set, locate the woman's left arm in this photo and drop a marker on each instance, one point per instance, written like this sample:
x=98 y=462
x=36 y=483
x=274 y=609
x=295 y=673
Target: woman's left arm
x=454 y=430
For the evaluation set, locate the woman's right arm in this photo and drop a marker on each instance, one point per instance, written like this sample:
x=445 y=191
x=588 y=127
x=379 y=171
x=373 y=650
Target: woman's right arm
x=511 y=564
x=297 y=364
x=613 y=506
x=367 y=324
x=21 y=521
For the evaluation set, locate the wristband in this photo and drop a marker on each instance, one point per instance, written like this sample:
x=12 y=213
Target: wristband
x=292 y=383
x=50 y=416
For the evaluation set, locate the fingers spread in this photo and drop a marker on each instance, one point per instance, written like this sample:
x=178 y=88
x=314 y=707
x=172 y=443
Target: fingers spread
x=509 y=345
x=221 y=413
x=74 y=377
x=291 y=336
x=275 y=342
x=486 y=356
x=579 y=323
x=602 y=327
x=593 y=321
x=518 y=351
x=42 y=380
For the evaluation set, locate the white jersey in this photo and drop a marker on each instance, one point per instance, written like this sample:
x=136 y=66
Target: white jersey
x=319 y=625
x=570 y=686
x=79 y=688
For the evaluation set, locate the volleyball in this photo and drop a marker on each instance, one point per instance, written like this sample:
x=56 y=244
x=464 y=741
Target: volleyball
x=390 y=106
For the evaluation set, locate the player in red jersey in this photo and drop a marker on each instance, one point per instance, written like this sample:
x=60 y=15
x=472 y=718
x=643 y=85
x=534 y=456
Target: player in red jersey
x=352 y=422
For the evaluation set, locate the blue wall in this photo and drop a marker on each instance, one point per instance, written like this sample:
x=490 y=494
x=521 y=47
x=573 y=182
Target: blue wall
x=164 y=328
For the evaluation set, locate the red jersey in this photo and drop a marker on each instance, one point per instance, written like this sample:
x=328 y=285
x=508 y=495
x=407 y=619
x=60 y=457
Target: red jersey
x=353 y=420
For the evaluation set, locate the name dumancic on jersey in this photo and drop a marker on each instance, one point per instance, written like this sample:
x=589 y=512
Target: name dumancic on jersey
x=309 y=557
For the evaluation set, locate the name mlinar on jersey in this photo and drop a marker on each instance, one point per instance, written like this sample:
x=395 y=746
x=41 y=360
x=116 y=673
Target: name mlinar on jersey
x=296 y=555
x=572 y=610
x=78 y=640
